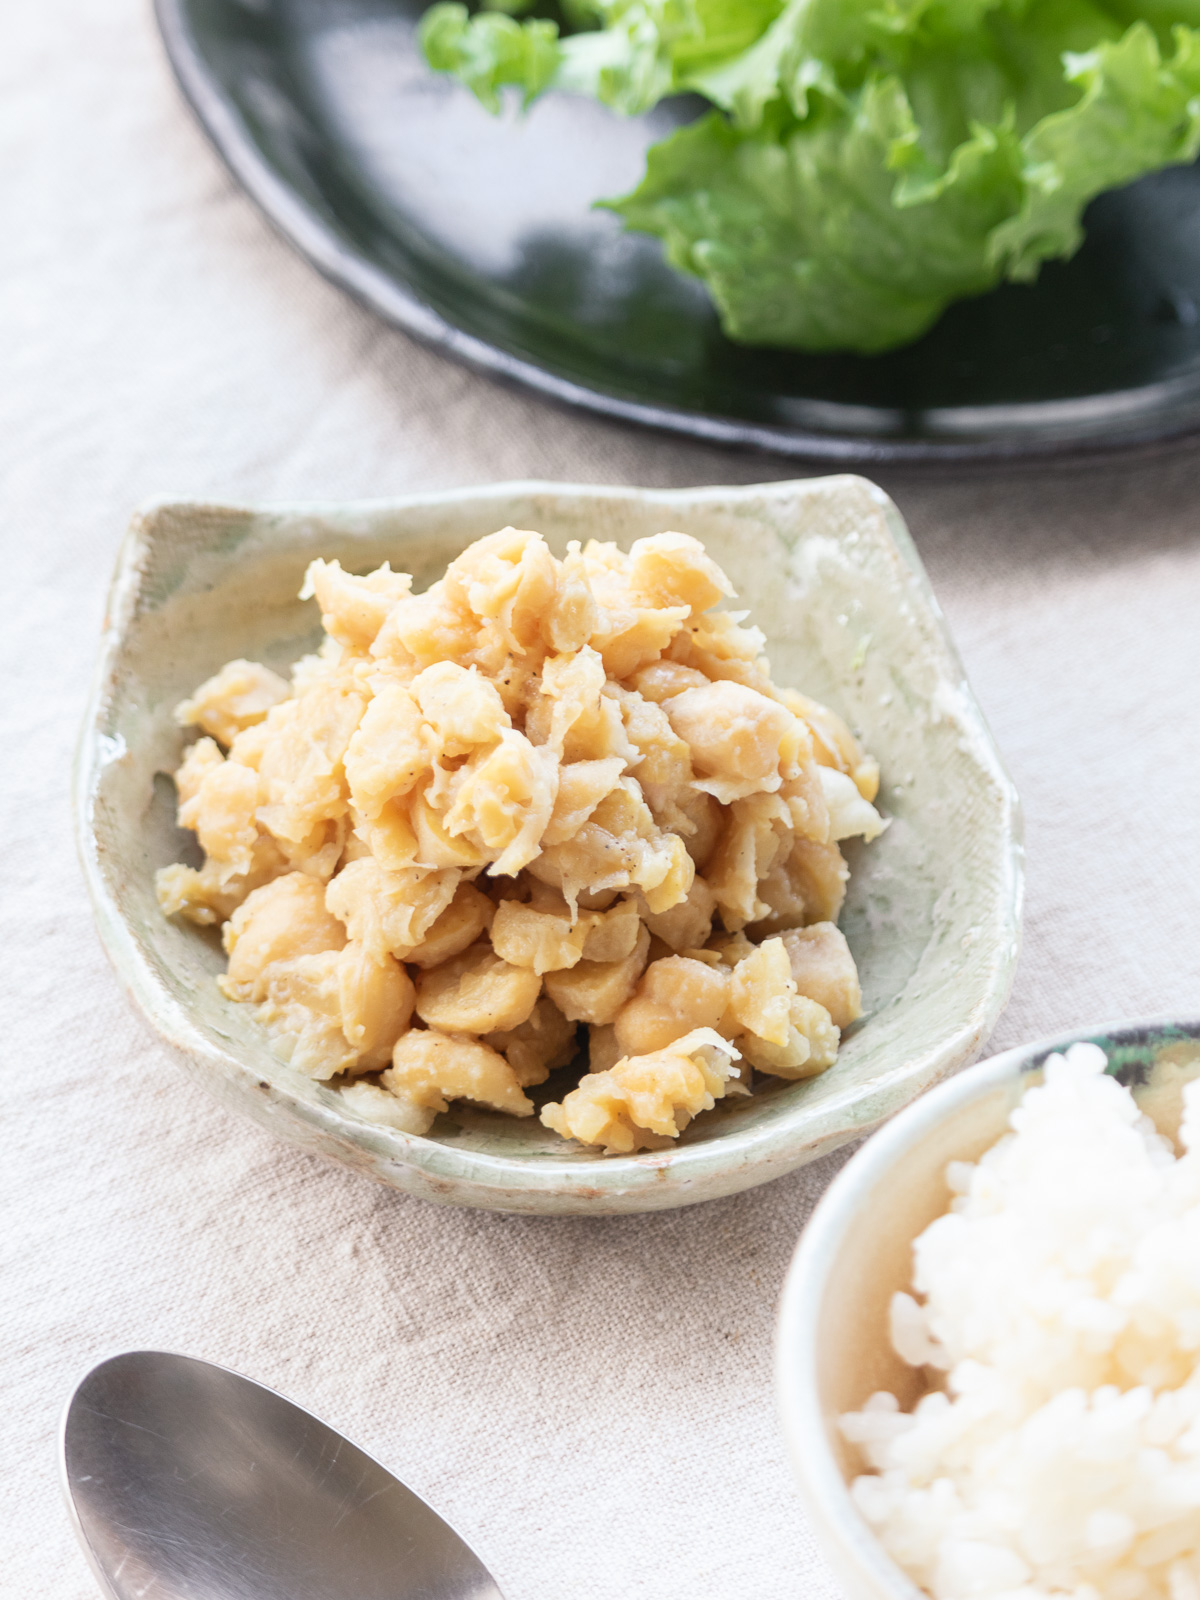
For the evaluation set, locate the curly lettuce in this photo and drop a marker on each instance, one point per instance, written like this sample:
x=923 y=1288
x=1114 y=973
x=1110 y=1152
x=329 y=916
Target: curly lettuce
x=866 y=162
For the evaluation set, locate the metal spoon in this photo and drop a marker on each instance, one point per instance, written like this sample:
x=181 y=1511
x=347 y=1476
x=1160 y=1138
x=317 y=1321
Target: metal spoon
x=188 y=1482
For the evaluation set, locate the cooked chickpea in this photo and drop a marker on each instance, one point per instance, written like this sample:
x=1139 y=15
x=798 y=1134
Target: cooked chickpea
x=476 y=992
x=594 y=991
x=280 y=921
x=674 y=996
x=543 y=792
x=824 y=970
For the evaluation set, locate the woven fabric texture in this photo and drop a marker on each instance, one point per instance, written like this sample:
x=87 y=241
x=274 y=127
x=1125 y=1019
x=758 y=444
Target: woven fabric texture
x=589 y=1401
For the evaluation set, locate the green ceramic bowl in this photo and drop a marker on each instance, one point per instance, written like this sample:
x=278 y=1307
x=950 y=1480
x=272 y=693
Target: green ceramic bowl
x=833 y=1349
x=830 y=574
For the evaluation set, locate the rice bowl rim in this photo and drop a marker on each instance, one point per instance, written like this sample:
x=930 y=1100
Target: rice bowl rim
x=846 y=1540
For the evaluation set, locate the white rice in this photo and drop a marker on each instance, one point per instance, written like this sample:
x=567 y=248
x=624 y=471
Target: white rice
x=1060 y=1299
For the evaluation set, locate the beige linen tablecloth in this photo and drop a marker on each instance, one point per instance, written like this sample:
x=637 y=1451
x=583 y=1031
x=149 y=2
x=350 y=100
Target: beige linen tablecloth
x=589 y=1401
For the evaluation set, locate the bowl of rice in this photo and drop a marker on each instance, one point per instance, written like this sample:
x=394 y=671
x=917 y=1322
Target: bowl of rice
x=988 y=1361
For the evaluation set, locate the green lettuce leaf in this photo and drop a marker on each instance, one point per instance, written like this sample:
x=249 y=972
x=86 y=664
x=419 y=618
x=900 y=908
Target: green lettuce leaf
x=491 y=51
x=799 y=239
x=645 y=49
x=1137 y=113
x=868 y=161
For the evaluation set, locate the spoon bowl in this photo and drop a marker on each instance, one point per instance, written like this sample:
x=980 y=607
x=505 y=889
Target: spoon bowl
x=189 y=1482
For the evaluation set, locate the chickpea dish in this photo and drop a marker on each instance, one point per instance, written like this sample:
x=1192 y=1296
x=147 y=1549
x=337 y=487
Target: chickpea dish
x=546 y=814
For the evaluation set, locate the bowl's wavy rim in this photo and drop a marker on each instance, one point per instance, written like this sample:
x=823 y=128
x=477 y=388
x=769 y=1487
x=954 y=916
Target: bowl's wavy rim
x=847 y=1540
x=735 y=1160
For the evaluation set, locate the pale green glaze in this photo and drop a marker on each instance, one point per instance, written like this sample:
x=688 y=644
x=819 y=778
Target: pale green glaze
x=830 y=574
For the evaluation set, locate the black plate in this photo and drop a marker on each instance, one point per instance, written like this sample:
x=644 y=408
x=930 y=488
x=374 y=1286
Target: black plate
x=476 y=234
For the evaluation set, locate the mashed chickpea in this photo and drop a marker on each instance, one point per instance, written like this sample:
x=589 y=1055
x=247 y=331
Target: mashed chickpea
x=546 y=811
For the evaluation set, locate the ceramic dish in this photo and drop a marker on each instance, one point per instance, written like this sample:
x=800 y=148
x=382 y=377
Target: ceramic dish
x=827 y=571
x=477 y=235
x=833 y=1347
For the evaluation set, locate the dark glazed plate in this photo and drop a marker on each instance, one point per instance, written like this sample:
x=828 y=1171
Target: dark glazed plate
x=477 y=235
